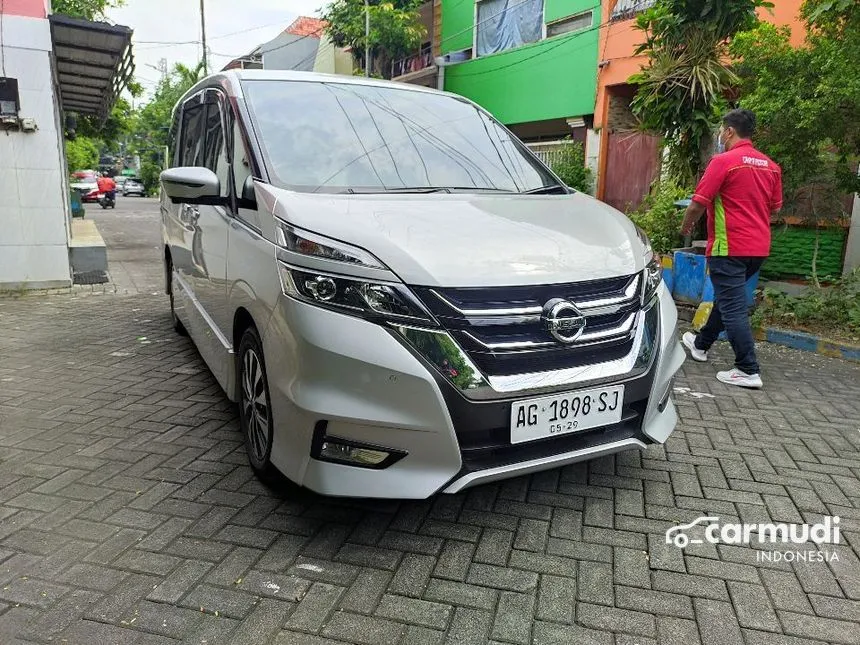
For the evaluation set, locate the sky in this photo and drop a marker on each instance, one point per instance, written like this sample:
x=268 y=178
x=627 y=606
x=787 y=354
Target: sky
x=233 y=28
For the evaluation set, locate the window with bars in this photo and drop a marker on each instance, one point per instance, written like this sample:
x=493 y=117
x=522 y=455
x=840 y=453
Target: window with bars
x=625 y=9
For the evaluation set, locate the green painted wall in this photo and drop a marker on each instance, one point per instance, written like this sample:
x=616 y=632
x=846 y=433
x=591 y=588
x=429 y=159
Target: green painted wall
x=792 y=249
x=551 y=79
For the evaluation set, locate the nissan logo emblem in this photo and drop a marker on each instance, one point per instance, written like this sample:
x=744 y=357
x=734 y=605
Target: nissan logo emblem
x=563 y=320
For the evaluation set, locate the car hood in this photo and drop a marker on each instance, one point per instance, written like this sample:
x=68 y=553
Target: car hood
x=84 y=185
x=463 y=240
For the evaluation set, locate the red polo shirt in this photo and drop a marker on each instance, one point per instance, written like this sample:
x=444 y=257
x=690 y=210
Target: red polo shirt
x=741 y=188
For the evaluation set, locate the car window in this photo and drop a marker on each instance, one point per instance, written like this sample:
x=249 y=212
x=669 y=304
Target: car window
x=241 y=167
x=241 y=159
x=192 y=135
x=215 y=150
x=339 y=137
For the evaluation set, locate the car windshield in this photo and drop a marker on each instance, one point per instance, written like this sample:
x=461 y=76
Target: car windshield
x=346 y=137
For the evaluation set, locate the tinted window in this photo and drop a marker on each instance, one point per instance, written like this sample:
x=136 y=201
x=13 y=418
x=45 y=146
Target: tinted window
x=336 y=137
x=214 y=153
x=192 y=135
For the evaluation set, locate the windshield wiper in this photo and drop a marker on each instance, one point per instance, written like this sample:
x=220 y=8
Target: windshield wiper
x=427 y=189
x=547 y=190
x=405 y=189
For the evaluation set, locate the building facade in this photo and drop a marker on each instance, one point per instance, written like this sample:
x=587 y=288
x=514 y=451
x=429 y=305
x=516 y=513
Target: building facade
x=531 y=63
x=549 y=69
x=303 y=46
x=53 y=66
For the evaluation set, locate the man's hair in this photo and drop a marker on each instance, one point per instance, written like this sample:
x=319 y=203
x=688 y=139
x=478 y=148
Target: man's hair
x=743 y=122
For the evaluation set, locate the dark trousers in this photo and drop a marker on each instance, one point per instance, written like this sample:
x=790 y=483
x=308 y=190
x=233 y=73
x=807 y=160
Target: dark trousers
x=729 y=276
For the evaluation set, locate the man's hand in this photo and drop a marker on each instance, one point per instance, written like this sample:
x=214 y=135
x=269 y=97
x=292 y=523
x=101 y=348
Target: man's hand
x=694 y=211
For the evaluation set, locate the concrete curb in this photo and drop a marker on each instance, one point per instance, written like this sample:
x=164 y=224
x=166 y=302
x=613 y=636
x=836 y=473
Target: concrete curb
x=809 y=343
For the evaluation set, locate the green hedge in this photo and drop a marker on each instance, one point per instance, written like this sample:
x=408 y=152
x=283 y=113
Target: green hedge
x=792 y=248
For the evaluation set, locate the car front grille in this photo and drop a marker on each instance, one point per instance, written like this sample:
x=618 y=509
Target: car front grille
x=503 y=332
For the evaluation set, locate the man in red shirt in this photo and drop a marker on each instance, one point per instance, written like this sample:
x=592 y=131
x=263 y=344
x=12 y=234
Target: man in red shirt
x=107 y=185
x=740 y=190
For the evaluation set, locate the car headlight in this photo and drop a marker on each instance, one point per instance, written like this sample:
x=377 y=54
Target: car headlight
x=379 y=301
x=318 y=246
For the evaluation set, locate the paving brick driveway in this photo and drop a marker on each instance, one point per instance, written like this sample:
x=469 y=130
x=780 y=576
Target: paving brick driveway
x=128 y=513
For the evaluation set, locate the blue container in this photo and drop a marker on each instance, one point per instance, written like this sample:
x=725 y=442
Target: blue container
x=76 y=204
x=691 y=282
x=689 y=279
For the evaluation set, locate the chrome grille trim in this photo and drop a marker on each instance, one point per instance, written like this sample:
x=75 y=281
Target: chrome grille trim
x=513 y=311
x=636 y=362
x=629 y=296
x=614 y=333
x=606 y=305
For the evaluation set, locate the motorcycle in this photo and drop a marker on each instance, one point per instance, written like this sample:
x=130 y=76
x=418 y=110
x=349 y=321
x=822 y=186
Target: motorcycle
x=106 y=200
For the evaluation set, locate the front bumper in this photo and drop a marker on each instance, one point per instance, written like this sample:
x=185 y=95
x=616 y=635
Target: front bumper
x=363 y=382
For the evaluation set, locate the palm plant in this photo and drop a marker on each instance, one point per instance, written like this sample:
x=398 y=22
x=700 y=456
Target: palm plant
x=186 y=76
x=682 y=91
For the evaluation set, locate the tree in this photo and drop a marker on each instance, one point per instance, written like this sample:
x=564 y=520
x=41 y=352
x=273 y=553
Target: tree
x=395 y=30
x=86 y=9
x=112 y=130
x=188 y=77
x=82 y=153
x=681 y=93
x=807 y=101
x=570 y=166
x=149 y=135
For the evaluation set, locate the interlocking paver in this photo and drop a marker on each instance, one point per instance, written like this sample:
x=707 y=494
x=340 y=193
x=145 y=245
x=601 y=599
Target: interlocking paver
x=128 y=513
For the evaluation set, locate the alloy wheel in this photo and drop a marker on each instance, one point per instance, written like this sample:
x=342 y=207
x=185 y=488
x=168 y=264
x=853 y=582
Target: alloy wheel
x=255 y=405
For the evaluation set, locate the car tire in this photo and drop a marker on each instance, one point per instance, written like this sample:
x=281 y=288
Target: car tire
x=178 y=327
x=255 y=407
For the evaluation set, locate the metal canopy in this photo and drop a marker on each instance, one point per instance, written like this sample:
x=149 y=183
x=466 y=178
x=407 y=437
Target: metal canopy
x=94 y=63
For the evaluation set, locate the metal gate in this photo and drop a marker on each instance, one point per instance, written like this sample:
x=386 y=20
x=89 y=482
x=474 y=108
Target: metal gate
x=632 y=165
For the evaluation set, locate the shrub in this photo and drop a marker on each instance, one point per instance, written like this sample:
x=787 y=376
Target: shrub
x=570 y=166
x=660 y=218
x=828 y=309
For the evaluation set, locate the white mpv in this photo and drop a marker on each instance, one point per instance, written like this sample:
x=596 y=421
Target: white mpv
x=400 y=296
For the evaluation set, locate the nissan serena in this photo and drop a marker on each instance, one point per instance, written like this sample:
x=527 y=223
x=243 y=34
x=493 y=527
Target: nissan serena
x=401 y=298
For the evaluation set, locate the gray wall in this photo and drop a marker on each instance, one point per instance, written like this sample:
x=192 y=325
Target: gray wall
x=289 y=51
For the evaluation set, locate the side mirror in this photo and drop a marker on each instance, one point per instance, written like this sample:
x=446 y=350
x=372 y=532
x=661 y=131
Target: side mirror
x=191 y=185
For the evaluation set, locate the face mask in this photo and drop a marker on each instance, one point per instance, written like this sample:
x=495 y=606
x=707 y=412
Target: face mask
x=721 y=147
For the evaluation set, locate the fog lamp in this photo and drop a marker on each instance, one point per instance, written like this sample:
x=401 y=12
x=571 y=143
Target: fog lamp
x=343 y=452
x=350 y=452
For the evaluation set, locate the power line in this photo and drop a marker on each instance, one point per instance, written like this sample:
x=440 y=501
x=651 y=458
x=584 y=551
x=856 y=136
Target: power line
x=197 y=42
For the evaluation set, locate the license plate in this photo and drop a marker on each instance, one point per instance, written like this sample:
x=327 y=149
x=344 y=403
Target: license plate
x=551 y=416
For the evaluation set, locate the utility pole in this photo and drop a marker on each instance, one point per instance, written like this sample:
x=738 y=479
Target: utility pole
x=162 y=67
x=203 y=31
x=366 y=37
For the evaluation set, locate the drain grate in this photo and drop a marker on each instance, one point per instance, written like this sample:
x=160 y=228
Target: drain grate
x=90 y=277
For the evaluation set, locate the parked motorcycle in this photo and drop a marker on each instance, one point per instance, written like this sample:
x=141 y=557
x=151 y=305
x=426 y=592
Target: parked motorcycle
x=107 y=201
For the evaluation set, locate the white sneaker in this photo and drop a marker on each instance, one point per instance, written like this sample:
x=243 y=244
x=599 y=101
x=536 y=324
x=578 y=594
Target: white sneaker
x=689 y=341
x=735 y=376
